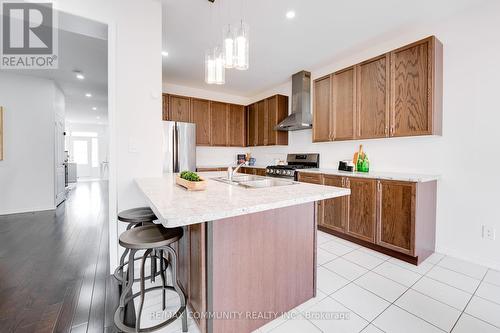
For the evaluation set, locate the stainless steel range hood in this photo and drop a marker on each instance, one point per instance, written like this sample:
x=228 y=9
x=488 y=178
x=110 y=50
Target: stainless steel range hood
x=301 y=117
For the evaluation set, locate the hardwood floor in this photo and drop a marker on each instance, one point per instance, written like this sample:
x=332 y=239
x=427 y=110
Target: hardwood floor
x=54 y=266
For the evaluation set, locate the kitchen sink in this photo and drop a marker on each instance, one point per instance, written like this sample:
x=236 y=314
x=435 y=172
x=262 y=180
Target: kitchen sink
x=249 y=181
x=266 y=183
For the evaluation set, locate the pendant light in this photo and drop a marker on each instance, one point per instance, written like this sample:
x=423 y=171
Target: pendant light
x=241 y=47
x=220 y=69
x=209 y=67
x=228 y=44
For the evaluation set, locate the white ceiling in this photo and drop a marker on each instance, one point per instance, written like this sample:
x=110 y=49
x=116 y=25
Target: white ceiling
x=280 y=47
x=82 y=46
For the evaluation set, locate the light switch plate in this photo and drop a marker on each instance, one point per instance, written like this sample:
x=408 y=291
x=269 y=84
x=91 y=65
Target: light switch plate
x=489 y=232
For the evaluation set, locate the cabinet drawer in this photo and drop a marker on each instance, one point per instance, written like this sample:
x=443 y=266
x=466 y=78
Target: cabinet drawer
x=314 y=178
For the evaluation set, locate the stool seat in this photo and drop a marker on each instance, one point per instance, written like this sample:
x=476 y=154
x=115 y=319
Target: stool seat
x=149 y=236
x=137 y=215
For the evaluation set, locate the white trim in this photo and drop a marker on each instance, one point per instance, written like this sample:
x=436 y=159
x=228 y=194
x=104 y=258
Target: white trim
x=27 y=210
x=112 y=173
x=467 y=257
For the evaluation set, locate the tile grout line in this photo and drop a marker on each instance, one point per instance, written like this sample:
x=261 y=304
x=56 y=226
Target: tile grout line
x=461 y=314
x=393 y=303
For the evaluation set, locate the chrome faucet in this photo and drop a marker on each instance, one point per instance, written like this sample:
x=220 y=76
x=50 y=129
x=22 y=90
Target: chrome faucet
x=231 y=172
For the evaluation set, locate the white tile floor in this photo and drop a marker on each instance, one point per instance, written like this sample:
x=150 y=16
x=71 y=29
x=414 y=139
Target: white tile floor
x=360 y=290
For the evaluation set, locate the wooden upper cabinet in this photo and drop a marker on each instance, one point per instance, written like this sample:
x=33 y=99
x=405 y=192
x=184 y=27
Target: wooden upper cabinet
x=277 y=110
x=200 y=109
x=322 y=109
x=344 y=104
x=262 y=123
x=373 y=98
x=179 y=108
x=416 y=88
x=237 y=125
x=396 y=222
x=396 y=94
x=252 y=125
x=165 y=107
x=362 y=208
x=333 y=212
x=219 y=123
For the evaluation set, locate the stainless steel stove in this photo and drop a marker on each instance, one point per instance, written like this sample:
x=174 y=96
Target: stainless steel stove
x=295 y=162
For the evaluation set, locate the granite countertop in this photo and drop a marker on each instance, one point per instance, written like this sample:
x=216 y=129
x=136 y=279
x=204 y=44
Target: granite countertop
x=175 y=206
x=407 y=177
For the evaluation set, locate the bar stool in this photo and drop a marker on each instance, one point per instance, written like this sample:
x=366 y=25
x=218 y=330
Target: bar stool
x=150 y=238
x=136 y=217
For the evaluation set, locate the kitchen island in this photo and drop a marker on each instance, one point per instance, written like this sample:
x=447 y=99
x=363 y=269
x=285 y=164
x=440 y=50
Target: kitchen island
x=247 y=254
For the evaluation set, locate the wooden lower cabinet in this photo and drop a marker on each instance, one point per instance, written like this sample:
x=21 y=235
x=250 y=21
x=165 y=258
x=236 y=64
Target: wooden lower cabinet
x=362 y=208
x=333 y=212
x=397 y=218
x=253 y=171
x=396 y=223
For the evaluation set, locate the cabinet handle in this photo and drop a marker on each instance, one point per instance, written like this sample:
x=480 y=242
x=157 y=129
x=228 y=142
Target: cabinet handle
x=343 y=182
x=379 y=186
x=392 y=130
x=386 y=131
x=348 y=182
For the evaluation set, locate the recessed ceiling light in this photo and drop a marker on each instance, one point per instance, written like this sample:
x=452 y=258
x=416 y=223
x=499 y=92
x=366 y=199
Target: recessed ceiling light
x=79 y=75
x=290 y=14
x=97 y=117
x=88 y=95
x=164 y=53
x=94 y=108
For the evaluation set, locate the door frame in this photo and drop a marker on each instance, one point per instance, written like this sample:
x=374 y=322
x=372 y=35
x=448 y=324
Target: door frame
x=111 y=133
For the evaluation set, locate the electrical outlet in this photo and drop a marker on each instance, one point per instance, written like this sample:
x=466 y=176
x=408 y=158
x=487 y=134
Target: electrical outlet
x=489 y=232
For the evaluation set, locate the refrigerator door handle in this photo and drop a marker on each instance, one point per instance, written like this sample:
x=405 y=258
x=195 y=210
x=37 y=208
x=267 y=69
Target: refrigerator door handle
x=175 y=142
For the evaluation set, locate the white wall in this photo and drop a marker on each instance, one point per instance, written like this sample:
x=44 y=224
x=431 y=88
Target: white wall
x=466 y=156
x=135 y=86
x=27 y=171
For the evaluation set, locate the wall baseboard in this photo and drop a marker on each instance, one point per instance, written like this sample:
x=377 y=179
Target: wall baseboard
x=26 y=210
x=490 y=263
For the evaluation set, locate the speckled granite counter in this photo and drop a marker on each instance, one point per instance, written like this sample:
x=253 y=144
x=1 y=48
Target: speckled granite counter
x=406 y=177
x=175 y=206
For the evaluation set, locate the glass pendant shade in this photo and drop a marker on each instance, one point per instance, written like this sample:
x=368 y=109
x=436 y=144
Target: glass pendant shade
x=228 y=45
x=241 y=48
x=209 y=67
x=220 y=69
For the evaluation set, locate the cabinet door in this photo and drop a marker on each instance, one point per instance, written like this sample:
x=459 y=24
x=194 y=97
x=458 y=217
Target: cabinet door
x=237 y=125
x=344 y=104
x=373 y=98
x=333 y=214
x=396 y=220
x=201 y=117
x=322 y=109
x=362 y=207
x=411 y=93
x=261 y=123
x=252 y=124
x=272 y=120
x=165 y=106
x=313 y=178
x=179 y=108
x=219 y=123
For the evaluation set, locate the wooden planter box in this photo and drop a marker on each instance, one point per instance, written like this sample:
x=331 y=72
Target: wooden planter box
x=192 y=186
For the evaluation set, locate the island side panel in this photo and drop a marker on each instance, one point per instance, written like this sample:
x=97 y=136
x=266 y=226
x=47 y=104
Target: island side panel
x=262 y=262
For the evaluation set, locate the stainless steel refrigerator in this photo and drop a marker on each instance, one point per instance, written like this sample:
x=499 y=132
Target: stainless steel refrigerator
x=179 y=146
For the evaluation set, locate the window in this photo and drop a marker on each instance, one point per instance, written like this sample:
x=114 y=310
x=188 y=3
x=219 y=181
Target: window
x=85 y=134
x=95 y=153
x=81 y=152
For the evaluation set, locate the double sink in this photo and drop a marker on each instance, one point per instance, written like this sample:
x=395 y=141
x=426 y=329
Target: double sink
x=249 y=181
